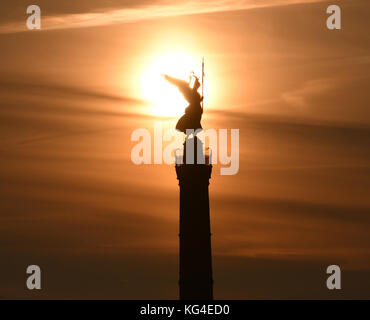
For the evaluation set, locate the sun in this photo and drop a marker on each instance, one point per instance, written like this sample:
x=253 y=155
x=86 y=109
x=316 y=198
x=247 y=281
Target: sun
x=165 y=99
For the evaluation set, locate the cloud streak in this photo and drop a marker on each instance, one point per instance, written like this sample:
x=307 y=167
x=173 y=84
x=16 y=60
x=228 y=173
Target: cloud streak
x=142 y=13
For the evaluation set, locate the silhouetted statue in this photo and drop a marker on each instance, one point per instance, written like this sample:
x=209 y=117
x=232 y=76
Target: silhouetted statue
x=193 y=112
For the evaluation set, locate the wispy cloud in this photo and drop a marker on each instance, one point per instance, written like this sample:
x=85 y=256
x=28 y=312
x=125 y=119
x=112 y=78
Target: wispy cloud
x=148 y=12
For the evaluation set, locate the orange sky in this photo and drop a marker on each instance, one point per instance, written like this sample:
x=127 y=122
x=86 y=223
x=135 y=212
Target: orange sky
x=73 y=202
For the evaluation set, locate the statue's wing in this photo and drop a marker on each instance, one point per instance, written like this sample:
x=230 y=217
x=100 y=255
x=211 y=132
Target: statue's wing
x=176 y=82
x=182 y=85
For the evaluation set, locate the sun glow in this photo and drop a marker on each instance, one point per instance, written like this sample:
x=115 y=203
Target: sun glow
x=166 y=100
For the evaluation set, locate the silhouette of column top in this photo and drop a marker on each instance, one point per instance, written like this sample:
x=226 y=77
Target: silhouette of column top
x=193 y=165
x=194 y=173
